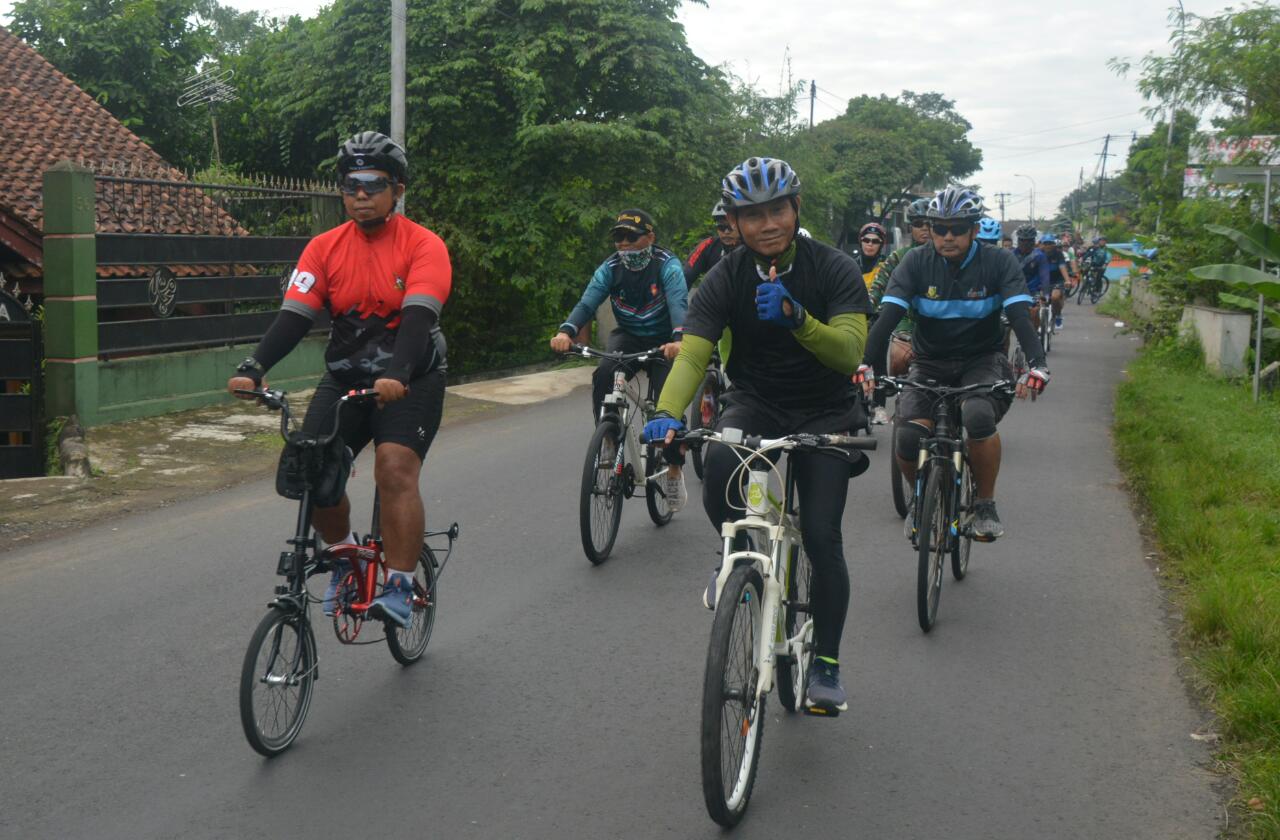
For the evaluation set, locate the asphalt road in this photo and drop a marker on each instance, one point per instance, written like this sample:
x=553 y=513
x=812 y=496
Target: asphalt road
x=560 y=700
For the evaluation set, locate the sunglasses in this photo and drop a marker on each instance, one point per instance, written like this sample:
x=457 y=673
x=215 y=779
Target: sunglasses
x=723 y=228
x=371 y=184
x=627 y=236
x=955 y=228
x=870 y=240
x=919 y=223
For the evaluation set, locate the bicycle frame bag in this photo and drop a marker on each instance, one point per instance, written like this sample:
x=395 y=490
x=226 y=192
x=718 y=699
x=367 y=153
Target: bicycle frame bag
x=305 y=463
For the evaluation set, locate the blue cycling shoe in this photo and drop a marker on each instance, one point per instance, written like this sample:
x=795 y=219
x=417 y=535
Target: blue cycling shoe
x=395 y=604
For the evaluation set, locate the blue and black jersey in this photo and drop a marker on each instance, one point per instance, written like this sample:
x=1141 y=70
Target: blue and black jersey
x=650 y=303
x=957 y=305
x=1035 y=269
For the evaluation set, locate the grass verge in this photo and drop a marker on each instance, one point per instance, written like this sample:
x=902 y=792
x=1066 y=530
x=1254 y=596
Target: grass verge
x=1204 y=459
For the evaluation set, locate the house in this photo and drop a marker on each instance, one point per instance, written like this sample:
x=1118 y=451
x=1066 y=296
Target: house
x=45 y=118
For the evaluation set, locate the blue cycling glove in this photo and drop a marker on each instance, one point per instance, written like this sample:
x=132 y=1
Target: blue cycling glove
x=655 y=430
x=769 y=299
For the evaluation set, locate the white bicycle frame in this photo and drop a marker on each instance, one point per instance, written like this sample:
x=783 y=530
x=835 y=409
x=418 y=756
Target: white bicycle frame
x=768 y=515
x=625 y=398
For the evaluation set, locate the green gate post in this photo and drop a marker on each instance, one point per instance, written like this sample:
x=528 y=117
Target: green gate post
x=70 y=293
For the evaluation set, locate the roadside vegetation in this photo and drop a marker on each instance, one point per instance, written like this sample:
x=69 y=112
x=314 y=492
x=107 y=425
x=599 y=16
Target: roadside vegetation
x=1203 y=457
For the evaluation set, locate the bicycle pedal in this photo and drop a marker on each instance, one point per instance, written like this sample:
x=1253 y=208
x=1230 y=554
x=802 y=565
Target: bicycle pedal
x=819 y=711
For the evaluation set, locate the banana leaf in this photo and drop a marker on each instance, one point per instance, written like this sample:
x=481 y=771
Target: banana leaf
x=1242 y=277
x=1250 y=305
x=1258 y=239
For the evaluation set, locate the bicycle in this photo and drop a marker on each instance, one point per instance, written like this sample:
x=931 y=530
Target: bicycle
x=1095 y=285
x=277 y=678
x=901 y=487
x=945 y=492
x=1044 y=315
x=617 y=462
x=707 y=404
x=762 y=632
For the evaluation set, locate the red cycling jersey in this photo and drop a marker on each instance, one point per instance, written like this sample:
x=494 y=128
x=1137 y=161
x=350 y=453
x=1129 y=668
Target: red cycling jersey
x=365 y=282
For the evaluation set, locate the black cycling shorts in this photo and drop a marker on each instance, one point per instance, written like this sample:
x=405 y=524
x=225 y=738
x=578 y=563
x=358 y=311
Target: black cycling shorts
x=914 y=404
x=412 y=421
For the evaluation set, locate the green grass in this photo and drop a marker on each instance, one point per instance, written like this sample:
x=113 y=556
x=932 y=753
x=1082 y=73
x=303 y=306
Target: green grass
x=1206 y=461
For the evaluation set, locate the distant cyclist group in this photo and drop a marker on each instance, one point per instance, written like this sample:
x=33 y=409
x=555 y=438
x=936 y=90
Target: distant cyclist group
x=804 y=332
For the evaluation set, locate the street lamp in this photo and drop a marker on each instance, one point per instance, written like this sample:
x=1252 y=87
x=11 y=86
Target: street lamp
x=1033 y=195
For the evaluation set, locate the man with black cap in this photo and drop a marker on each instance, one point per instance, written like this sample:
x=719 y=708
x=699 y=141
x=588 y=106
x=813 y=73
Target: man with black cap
x=646 y=287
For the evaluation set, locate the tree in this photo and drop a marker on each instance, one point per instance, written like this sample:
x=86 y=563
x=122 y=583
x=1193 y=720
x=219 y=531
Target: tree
x=130 y=55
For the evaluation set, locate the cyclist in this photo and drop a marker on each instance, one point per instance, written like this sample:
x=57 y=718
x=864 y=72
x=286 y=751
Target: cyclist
x=1058 y=277
x=646 y=287
x=1035 y=266
x=989 y=232
x=383 y=280
x=709 y=251
x=1097 y=257
x=900 y=354
x=871 y=239
x=957 y=289
x=798 y=312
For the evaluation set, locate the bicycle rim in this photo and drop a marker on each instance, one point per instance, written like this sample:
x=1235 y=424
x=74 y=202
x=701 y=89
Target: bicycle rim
x=963 y=541
x=408 y=643
x=600 y=496
x=901 y=491
x=732 y=720
x=931 y=541
x=276 y=682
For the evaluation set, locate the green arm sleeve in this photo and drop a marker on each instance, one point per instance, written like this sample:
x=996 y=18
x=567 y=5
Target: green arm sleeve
x=837 y=345
x=686 y=375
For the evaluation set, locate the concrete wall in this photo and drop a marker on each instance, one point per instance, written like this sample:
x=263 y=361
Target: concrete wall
x=1224 y=335
x=149 y=385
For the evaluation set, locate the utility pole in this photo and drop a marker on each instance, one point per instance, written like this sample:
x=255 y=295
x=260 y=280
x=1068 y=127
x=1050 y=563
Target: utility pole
x=813 y=97
x=1102 y=179
x=1000 y=197
x=397 y=76
x=1075 y=200
x=1173 y=114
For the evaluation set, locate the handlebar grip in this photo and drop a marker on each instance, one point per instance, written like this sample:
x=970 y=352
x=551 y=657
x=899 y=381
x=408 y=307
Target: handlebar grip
x=851 y=442
x=360 y=393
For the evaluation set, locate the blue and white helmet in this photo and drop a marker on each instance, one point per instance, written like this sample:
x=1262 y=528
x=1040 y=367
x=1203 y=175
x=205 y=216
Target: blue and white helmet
x=958 y=203
x=989 y=230
x=1048 y=239
x=759 y=181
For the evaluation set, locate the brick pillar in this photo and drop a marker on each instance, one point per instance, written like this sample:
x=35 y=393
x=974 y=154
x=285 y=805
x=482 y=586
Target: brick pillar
x=70 y=293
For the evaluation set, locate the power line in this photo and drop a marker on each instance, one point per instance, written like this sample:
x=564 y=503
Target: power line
x=1061 y=127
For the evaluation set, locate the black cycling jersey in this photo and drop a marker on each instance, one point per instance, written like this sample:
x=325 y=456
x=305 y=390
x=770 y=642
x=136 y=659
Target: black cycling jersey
x=767 y=359
x=957 y=305
x=704 y=257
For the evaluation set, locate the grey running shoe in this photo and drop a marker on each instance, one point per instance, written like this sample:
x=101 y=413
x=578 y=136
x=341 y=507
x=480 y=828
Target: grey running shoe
x=824 y=695
x=879 y=417
x=673 y=488
x=986 y=522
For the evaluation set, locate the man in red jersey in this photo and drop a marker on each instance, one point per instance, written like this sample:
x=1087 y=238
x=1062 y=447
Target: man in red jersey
x=383 y=280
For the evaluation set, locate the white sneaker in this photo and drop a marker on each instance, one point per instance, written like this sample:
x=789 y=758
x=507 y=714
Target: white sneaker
x=879 y=417
x=673 y=488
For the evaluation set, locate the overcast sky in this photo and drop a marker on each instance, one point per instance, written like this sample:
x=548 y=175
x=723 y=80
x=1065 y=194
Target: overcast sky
x=1033 y=83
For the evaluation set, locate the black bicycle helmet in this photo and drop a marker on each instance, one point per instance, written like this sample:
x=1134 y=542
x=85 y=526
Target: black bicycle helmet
x=1026 y=232
x=371 y=150
x=758 y=181
x=918 y=209
x=958 y=203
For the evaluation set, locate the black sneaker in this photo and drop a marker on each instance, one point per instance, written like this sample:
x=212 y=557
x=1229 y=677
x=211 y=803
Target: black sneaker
x=986 y=522
x=823 y=694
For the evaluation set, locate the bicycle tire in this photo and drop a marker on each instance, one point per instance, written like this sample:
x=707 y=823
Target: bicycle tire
x=741 y=596
x=600 y=497
x=901 y=489
x=408 y=643
x=697 y=418
x=963 y=543
x=263 y=684
x=931 y=546
x=1085 y=287
x=1102 y=288
x=654 y=499
x=792 y=672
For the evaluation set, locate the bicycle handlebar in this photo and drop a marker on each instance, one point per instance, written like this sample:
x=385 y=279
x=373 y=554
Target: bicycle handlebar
x=617 y=355
x=800 y=440
x=277 y=400
x=896 y=384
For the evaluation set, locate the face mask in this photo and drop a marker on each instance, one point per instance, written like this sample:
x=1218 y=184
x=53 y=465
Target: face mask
x=636 y=260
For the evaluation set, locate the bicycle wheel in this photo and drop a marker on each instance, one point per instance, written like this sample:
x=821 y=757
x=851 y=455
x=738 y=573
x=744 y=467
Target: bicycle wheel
x=276 y=681
x=654 y=499
x=901 y=489
x=408 y=643
x=1085 y=287
x=795 y=611
x=1100 y=289
x=963 y=540
x=932 y=529
x=732 y=721
x=600 y=504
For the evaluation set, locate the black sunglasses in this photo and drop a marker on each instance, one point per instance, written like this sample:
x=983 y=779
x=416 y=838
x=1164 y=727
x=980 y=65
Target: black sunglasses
x=723 y=228
x=371 y=184
x=919 y=223
x=870 y=240
x=627 y=236
x=955 y=228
